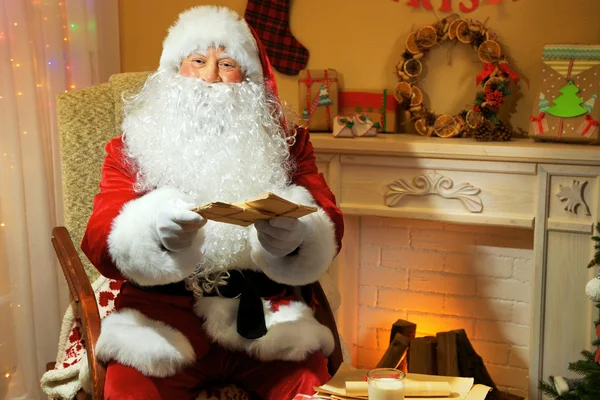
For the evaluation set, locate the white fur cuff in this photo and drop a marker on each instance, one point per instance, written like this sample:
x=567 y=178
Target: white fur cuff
x=314 y=255
x=135 y=248
x=151 y=347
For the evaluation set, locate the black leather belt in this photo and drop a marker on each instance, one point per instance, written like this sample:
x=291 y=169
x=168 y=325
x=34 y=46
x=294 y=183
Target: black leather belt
x=250 y=286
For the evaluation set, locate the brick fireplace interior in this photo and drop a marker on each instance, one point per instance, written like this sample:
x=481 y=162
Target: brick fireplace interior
x=445 y=276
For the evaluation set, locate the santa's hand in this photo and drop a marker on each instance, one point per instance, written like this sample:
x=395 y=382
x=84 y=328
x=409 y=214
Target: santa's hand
x=177 y=226
x=280 y=236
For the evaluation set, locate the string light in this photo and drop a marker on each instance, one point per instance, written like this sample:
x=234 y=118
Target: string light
x=2 y=224
x=19 y=93
x=7 y=375
x=24 y=132
x=15 y=24
x=72 y=86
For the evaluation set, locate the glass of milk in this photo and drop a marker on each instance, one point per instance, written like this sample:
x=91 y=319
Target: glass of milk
x=386 y=384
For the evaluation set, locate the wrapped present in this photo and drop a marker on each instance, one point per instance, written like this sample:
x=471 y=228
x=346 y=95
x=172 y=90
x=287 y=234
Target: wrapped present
x=379 y=105
x=318 y=91
x=565 y=110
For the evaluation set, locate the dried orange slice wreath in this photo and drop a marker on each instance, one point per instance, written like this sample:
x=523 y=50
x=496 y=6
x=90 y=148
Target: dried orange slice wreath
x=494 y=78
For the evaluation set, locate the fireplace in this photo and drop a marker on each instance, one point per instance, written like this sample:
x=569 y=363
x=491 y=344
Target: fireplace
x=492 y=238
x=443 y=277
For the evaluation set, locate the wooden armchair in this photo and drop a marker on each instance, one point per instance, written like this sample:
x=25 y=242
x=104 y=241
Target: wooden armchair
x=87 y=120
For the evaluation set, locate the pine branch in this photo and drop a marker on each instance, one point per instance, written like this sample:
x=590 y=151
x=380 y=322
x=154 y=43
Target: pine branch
x=548 y=389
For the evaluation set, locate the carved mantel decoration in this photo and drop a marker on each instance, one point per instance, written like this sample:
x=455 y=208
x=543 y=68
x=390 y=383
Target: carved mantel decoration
x=573 y=196
x=434 y=183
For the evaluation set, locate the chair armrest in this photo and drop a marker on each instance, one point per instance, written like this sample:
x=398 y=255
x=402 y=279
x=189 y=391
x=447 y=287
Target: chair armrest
x=84 y=297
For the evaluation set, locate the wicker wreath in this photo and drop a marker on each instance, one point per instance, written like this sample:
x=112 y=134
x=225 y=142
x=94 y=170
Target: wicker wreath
x=479 y=120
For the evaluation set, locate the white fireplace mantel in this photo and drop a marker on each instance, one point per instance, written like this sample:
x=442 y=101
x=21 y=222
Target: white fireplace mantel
x=553 y=189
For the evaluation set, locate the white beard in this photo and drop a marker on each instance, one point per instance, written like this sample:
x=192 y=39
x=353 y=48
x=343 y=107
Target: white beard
x=220 y=142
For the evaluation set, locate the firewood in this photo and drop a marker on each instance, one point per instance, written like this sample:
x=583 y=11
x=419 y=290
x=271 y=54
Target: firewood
x=447 y=360
x=423 y=355
x=470 y=364
x=408 y=330
x=395 y=353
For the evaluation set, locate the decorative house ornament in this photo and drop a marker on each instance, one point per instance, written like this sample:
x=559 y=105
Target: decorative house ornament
x=433 y=183
x=480 y=120
x=573 y=197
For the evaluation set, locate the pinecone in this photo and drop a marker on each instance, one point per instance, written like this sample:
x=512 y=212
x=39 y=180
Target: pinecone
x=502 y=133
x=483 y=133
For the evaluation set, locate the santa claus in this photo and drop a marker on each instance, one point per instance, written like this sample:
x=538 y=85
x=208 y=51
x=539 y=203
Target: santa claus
x=207 y=301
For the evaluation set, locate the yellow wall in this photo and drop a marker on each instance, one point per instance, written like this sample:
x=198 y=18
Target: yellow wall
x=363 y=40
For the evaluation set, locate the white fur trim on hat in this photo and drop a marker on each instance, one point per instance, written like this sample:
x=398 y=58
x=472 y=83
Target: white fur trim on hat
x=201 y=27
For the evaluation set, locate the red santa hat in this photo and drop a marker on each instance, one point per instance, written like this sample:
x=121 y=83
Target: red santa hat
x=201 y=27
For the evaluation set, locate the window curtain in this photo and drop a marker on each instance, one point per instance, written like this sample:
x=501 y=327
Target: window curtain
x=46 y=47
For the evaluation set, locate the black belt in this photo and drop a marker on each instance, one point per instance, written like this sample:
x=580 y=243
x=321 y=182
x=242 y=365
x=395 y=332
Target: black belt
x=250 y=286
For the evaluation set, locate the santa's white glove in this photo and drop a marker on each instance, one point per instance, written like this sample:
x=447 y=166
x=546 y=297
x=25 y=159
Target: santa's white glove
x=280 y=236
x=177 y=226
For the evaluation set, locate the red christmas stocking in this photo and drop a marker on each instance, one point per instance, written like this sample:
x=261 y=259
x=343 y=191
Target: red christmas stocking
x=271 y=21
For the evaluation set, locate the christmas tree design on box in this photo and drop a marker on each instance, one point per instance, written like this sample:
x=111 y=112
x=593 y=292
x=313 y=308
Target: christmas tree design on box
x=570 y=82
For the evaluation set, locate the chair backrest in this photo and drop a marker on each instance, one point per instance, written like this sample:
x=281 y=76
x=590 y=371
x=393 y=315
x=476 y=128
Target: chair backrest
x=87 y=120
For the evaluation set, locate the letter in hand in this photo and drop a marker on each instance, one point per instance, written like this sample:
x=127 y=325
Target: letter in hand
x=177 y=226
x=280 y=236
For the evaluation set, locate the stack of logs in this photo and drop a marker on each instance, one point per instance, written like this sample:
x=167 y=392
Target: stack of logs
x=446 y=354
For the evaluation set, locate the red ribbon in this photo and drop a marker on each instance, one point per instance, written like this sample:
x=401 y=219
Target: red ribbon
x=505 y=68
x=539 y=121
x=591 y=123
x=487 y=71
x=488 y=68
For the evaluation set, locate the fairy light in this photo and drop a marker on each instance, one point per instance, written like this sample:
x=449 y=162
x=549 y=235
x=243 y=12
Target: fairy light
x=19 y=94
x=7 y=375
x=15 y=24
x=2 y=224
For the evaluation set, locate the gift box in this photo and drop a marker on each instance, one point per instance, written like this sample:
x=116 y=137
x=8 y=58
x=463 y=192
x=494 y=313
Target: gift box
x=565 y=109
x=379 y=105
x=318 y=91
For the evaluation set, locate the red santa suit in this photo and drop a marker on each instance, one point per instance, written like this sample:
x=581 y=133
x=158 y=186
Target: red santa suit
x=162 y=342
